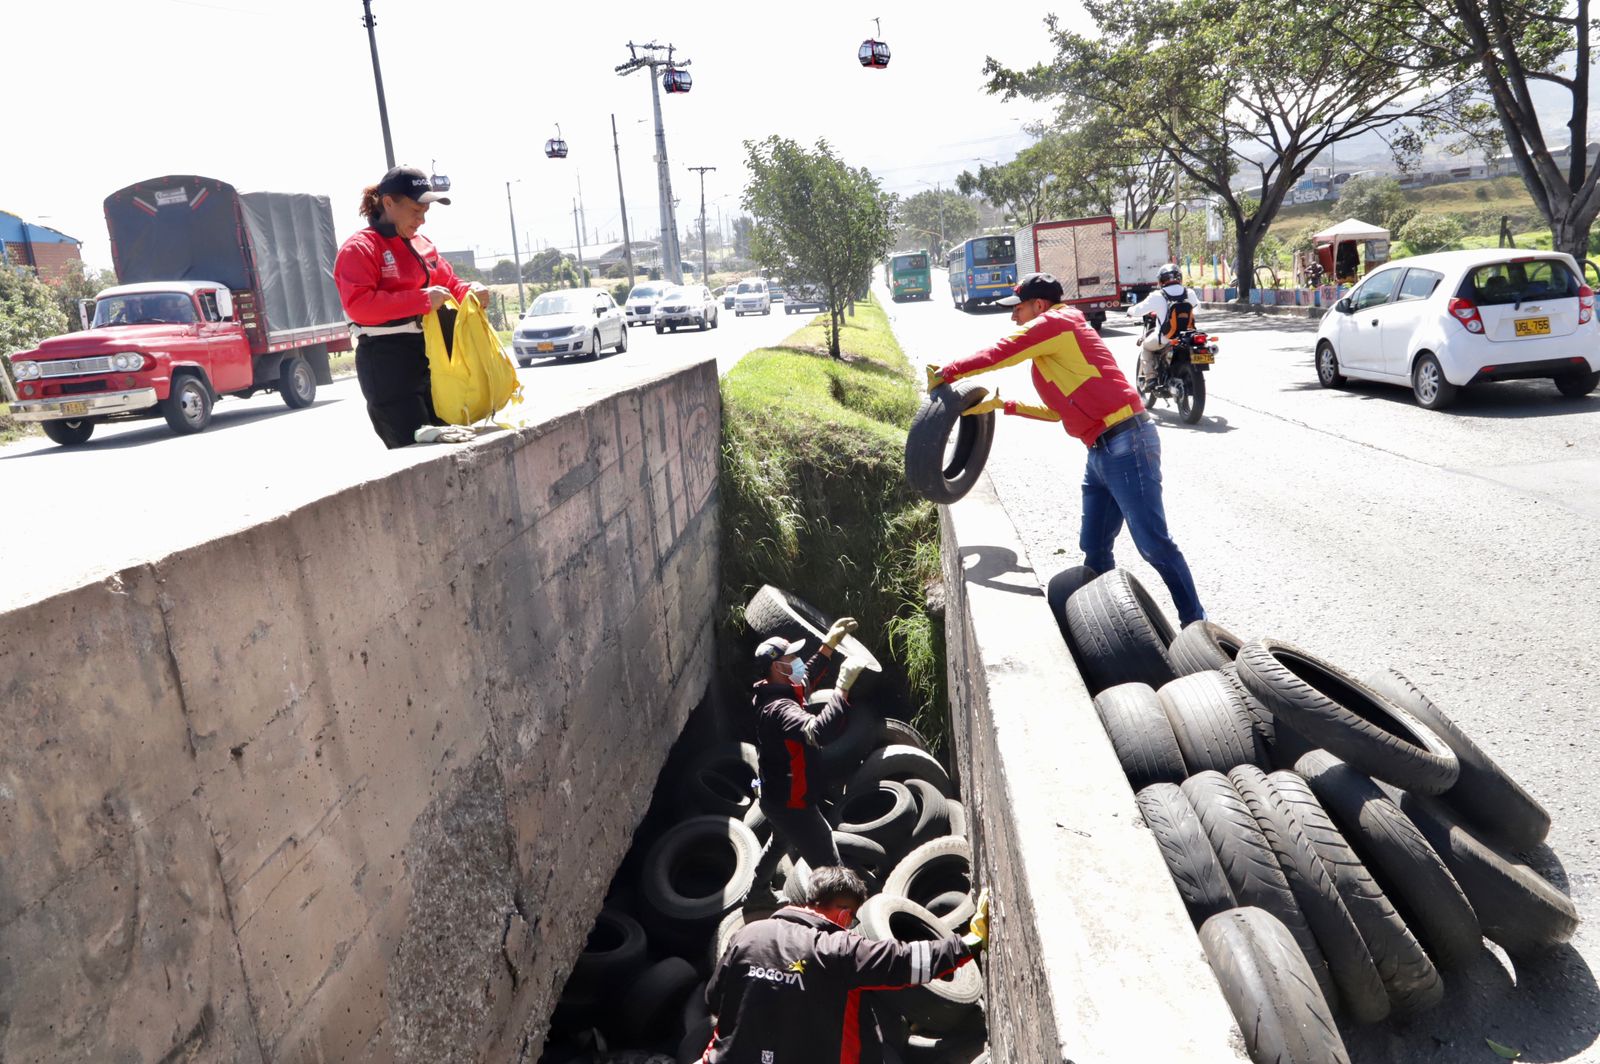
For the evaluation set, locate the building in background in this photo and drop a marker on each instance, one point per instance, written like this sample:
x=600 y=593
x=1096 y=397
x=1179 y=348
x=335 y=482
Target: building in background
x=461 y=258
x=24 y=243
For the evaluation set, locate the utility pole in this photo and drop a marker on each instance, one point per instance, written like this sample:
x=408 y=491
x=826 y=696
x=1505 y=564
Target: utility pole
x=654 y=61
x=705 y=267
x=579 y=234
x=522 y=306
x=377 y=76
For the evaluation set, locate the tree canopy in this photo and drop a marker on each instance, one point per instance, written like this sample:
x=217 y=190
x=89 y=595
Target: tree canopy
x=923 y=224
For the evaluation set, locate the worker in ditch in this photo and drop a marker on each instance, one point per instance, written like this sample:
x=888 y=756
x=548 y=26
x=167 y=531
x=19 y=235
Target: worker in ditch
x=788 y=989
x=1082 y=387
x=788 y=738
x=389 y=276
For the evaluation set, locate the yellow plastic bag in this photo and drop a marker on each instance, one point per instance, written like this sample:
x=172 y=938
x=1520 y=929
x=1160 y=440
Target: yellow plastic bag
x=473 y=379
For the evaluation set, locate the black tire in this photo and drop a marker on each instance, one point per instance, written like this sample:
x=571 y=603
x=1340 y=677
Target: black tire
x=1285 y=1019
x=1484 y=794
x=699 y=870
x=297 y=383
x=773 y=611
x=1063 y=586
x=928 y=471
x=524 y=362
x=933 y=812
x=1118 y=633
x=1140 y=734
x=660 y=328
x=863 y=727
x=1361 y=989
x=704 y=325
x=1213 y=728
x=1519 y=909
x=1336 y=711
x=898 y=733
x=933 y=870
x=616 y=950
x=68 y=433
x=1250 y=865
x=1409 y=976
x=1203 y=646
x=622 y=340
x=942 y=1006
x=1192 y=401
x=647 y=1011
x=864 y=855
x=1260 y=716
x=901 y=763
x=594 y=346
x=958 y=818
x=1577 y=385
x=1328 y=374
x=1189 y=856
x=1428 y=384
x=731 y=925
x=887 y=815
x=1411 y=873
x=719 y=781
x=188 y=407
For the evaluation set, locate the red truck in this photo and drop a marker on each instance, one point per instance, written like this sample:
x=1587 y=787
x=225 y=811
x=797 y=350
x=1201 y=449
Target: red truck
x=222 y=293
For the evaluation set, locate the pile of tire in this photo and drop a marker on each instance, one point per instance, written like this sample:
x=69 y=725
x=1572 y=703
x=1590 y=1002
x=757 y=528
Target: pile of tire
x=637 y=992
x=1296 y=805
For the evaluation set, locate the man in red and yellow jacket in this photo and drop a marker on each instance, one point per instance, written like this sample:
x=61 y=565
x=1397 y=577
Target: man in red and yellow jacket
x=1083 y=388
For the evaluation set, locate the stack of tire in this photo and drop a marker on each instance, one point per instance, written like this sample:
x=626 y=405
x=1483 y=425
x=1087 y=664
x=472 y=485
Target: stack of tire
x=640 y=983
x=1341 y=844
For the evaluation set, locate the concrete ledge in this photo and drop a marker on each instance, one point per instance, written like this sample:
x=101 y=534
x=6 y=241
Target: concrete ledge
x=1093 y=957
x=1314 y=313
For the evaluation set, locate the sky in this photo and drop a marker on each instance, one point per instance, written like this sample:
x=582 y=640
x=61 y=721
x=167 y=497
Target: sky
x=277 y=95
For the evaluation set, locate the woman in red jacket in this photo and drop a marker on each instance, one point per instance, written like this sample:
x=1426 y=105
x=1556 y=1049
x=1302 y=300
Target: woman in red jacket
x=388 y=278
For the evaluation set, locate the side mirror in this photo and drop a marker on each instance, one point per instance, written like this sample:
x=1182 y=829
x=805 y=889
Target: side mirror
x=599 y=312
x=225 y=304
x=86 y=313
x=1344 y=306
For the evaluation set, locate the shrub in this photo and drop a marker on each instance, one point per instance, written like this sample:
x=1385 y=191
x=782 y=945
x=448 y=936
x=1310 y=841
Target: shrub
x=1431 y=232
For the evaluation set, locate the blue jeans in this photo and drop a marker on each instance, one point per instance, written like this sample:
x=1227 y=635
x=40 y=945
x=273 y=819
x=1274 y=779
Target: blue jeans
x=1122 y=481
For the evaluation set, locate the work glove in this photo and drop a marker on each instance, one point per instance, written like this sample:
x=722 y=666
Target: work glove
x=849 y=672
x=841 y=628
x=444 y=434
x=977 y=936
x=935 y=377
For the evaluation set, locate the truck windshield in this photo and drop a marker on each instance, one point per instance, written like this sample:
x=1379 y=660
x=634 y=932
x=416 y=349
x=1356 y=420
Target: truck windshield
x=570 y=302
x=146 y=308
x=994 y=251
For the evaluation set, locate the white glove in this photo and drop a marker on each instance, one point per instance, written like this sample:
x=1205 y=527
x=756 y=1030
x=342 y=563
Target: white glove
x=848 y=673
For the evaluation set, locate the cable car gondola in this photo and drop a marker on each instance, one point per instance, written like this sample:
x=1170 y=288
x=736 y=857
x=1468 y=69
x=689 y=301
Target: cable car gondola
x=675 y=80
x=874 y=54
x=555 y=147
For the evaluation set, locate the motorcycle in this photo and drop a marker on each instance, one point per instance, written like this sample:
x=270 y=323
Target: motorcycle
x=1180 y=372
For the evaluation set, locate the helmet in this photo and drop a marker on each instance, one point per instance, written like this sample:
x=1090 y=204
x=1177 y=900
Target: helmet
x=1170 y=274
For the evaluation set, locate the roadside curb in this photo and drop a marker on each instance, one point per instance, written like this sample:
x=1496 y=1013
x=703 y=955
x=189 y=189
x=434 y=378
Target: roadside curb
x=1311 y=313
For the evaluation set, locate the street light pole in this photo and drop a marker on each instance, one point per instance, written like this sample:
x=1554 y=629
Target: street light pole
x=579 y=234
x=522 y=306
x=377 y=76
x=705 y=268
x=653 y=62
x=622 y=201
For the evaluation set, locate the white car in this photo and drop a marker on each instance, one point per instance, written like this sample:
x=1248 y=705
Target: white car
x=752 y=297
x=1437 y=322
x=641 y=304
x=684 y=305
x=570 y=321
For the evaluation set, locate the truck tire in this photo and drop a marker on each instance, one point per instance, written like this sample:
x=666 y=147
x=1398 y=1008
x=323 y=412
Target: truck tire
x=1394 y=850
x=1211 y=723
x=188 y=407
x=1283 y=1016
x=1119 y=633
x=297 y=383
x=773 y=611
x=1190 y=859
x=68 y=433
x=1334 y=710
x=1141 y=735
x=1484 y=794
x=936 y=422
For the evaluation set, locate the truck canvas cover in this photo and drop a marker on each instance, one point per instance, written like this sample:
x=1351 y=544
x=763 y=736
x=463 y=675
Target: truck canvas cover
x=190 y=228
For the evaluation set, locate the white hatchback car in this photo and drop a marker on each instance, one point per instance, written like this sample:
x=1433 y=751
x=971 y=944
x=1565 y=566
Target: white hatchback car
x=1438 y=322
x=751 y=297
x=570 y=321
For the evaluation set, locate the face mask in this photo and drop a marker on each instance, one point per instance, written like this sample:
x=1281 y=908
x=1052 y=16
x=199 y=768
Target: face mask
x=797 y=673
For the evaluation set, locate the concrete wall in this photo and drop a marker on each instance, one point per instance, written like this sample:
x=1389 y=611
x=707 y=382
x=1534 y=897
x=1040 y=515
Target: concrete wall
x=349 y=785
x=1093 y=957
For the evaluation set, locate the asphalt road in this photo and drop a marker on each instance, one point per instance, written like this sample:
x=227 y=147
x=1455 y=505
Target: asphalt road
x=1457 y=546
x=135 y=492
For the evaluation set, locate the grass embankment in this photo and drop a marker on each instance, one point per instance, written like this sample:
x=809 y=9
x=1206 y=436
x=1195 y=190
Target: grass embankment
x=1477 y=205
x=815 y=501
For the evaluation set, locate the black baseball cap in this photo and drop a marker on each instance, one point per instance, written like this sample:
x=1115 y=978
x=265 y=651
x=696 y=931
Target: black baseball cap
x=1035 y=286
x=411 y=183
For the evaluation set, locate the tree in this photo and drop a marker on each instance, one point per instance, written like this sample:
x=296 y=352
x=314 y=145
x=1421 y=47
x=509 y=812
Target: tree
x=923 y=224
x=78 y=282
x=1019 y=187
x=1378 y=200
x=1230 y=87
x=541 y=266
x=817 y=220
x=28 y=311
x=503 y=272
x=743 y=227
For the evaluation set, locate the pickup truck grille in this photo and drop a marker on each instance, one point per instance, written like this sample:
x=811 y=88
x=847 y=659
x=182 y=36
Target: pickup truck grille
x=75 y=367
x=82 y=387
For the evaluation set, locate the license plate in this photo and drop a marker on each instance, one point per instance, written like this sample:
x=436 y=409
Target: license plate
x=547 y=347
x=74 y=409
x=1202 y=358
x=1533 y=326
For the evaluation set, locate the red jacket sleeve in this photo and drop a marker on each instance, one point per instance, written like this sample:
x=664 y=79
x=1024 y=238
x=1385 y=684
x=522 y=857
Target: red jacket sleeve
x=356 y=272
x=1018 y=347
x=445 y=274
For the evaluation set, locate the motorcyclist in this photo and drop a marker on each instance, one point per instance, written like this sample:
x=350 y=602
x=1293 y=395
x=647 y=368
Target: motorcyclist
x=1154 y=308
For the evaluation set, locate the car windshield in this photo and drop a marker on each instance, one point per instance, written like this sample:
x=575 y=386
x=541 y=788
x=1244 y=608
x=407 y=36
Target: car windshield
x=167 y=308
x=644 y=291
x=570 y=302
x=994 y=251
x=747 y=287
x=679 y=295
x=1522 y=281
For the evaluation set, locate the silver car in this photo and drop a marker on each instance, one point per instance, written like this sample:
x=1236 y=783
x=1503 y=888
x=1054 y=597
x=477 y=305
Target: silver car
x=684 y=305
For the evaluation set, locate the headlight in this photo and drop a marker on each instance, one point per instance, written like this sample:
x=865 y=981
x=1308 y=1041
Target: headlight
x=578 y=330
x=126 y=361
x=27 y=371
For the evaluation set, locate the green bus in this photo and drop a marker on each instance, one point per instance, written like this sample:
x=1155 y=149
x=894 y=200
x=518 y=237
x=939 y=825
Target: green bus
x=908 y=277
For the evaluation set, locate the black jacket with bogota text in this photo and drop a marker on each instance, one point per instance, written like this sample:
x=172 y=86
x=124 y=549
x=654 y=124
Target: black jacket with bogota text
x=788 y=989
x=788 y=736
